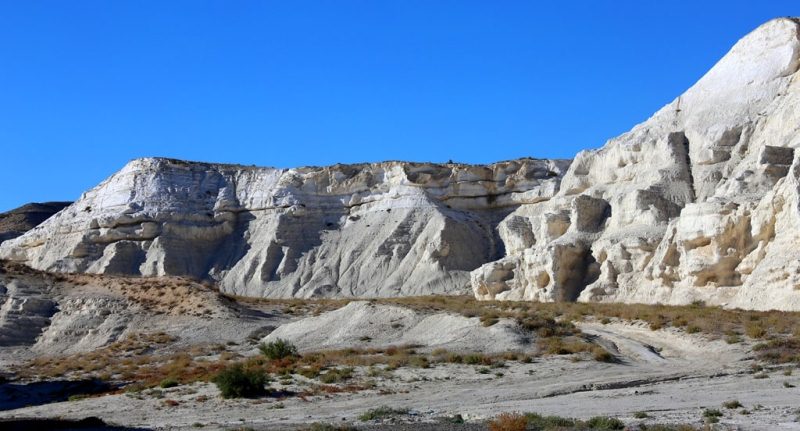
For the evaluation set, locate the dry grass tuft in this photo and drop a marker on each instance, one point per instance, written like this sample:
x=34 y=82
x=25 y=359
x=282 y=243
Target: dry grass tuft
x=508 y=422
x=779 y=350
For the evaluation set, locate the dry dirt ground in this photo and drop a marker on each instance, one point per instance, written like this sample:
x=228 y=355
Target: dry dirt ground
x=669 y=374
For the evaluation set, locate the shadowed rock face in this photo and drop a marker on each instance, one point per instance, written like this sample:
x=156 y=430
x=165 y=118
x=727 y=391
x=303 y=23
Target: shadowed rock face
x=699 y=202
x=20 y=220
x=381 y=229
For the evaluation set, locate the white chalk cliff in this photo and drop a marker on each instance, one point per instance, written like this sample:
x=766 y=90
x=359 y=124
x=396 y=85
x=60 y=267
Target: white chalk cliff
x=383 y=229
x=700 y=202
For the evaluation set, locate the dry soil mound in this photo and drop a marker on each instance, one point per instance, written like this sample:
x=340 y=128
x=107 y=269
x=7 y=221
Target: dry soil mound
x=367 y=324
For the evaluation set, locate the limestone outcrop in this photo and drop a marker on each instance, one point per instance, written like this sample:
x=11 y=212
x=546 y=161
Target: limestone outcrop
x=698 y=203
x=701 y=202
x=382 y=229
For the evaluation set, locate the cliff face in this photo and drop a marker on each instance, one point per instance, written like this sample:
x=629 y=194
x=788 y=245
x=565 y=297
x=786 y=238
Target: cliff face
x=700 y=202
x=379 y=229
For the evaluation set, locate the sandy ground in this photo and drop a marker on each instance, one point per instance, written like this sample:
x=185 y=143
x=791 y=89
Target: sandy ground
x=668 y=374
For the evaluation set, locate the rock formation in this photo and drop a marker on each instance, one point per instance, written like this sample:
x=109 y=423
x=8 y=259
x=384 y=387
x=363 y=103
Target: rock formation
x=362 y=324
x=700 y=202
x=380 y=229
x=20 y=220
x=56 y=313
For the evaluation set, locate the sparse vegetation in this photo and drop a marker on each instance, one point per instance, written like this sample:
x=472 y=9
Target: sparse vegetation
x=508 y=422
x=600 y=354
x=732 y=404
x=779 y=350
x=712 y=415
x=382 y=413
x=318 y=426
x=145 y=359
x=535 y=421
x=77 y=397
x=278 y=349
x=455 y=419
x=669 y=427
x=336 y=375
x=557 y=317
x=168 y=383
x=555 y=320
x=602 y=423
x=238 y=382
x=733 y=338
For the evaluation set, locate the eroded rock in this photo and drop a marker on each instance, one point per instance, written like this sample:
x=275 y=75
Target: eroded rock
x=380 y=229
x=701 y=198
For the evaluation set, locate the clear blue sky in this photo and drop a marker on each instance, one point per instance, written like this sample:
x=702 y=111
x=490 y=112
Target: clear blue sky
x=87 y=86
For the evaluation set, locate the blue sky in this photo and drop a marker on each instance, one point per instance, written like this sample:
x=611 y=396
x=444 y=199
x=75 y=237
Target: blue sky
x=87 y=86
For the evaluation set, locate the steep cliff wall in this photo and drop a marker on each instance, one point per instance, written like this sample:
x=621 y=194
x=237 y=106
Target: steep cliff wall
x=700 y=202
x=379 y=229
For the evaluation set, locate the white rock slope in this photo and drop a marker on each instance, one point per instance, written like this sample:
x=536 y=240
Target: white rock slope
x=700 y=202
x=379 y=229
x=364 y=324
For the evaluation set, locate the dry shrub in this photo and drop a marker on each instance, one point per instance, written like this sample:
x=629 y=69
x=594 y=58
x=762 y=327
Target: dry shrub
x=779 y=351
x=600 y=354
x=508 y=422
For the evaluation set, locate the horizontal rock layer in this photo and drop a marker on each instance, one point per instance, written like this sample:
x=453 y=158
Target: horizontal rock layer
x=380 y=229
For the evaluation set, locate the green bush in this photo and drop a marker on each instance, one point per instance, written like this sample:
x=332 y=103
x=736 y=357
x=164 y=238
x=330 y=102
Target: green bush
x=456 y=419
x=237 y=382
x=278 y=349
x=539 y=422
x=336 y=375
x=168 y=383
x=732 y=404
x=712 y=415
x=605 y=423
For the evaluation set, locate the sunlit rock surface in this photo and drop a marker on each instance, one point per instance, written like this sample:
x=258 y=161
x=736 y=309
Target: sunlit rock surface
x=380 y=229
x=700 y=202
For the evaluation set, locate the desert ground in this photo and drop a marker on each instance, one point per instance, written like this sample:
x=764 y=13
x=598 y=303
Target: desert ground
x=144 y=354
